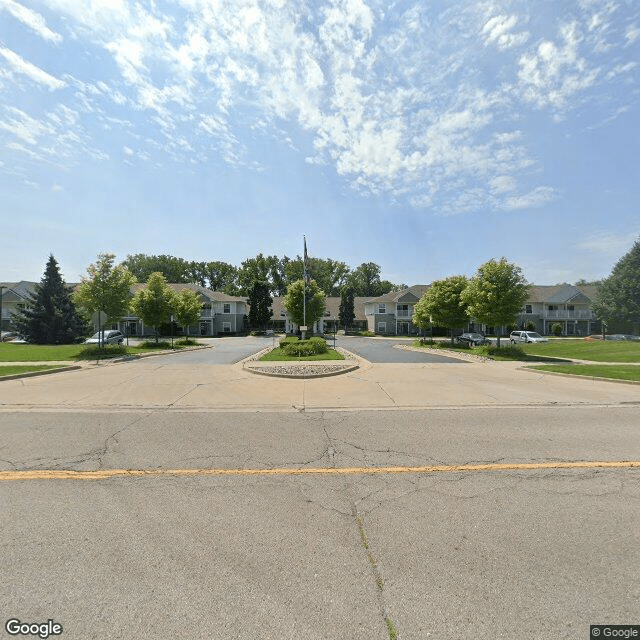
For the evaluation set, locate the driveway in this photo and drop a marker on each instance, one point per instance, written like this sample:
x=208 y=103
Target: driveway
x=380 y=350
x=224 y=351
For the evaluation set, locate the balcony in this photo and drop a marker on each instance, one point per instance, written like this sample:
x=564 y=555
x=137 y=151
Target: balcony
x=562 y=314
x=404 y=314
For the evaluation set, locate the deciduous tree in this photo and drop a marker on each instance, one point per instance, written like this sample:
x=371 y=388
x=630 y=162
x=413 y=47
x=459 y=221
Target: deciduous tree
x=495 y=295
x=107 y=290
x=442 y=305
x=186 y=308
x=294 y=302
x=153 y=304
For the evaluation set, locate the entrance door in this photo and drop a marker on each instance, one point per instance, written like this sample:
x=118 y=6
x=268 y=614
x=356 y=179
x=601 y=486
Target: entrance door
x=403 y=328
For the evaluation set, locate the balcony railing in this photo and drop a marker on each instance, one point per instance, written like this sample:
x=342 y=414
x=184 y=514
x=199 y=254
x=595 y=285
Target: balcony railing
x=404 y=314
x=562 y=314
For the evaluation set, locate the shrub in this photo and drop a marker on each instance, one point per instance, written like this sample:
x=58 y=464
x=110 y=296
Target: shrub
x=556 y=329
x=531 y=326
x=96 y=352
x=512 y=352
x=303 y=348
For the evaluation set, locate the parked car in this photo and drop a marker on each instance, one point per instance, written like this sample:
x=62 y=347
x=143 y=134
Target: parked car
x=526 y=336
x=472 y=339
x=110 y=336
x=8 y=336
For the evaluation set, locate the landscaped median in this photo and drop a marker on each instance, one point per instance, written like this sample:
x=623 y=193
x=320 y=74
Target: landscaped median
x=295 y=358
x=11 y=371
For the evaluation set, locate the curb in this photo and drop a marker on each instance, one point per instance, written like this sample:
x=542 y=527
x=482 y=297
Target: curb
x=326 y=374
x=32 y=374
x=138 y=356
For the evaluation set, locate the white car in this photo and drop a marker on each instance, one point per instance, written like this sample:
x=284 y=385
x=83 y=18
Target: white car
x=111 y=336
x=526 y=336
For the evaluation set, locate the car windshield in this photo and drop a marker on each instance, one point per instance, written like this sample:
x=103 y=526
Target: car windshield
x=533 y=334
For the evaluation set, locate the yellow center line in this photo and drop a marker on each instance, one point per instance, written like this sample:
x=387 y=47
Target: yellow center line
x=102 y=474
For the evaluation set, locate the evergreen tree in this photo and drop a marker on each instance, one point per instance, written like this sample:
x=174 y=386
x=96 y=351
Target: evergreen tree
x=346 y=313
x=51 y=317
x=259 y=305
x=618 y=299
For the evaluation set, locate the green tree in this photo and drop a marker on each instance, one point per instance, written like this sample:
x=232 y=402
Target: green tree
x=174 y=269
x=442 y=305
x=618 y=299
x=51 y=316
x=154 y=303
x=107 y=290
x=365 y=281
x=260 y=302
x=294 y=302
x=258 y=269
x=222 y=276
x=346 y=312
x=495 y=295
x=186 y=308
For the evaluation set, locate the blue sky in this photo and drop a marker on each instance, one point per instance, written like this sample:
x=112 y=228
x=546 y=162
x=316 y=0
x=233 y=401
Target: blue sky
x=428 y=140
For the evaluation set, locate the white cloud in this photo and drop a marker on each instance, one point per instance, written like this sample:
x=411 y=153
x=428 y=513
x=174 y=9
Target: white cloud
x=609 y=242
x=31 y=19
x=36 y=74
x=632 y=33
x=497 y=31
x=535 y=198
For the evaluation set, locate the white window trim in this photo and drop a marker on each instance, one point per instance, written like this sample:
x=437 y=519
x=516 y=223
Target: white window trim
x=226 y=327
x=382 y=308
x=382 y=327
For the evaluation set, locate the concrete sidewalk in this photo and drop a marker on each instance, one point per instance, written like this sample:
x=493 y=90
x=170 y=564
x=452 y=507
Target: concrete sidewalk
x=147 y=384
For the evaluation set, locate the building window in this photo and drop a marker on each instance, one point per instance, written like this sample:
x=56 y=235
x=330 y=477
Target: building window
x=528 y=308
x=226 y=327
x=226 y=308
x=570 y=307
x=382 y=308
x=552 y=307
x=283 y=314
x=382 y=327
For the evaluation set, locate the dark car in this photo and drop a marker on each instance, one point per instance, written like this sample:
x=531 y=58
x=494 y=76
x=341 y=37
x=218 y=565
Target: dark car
x=472 y=339
x=111 y=336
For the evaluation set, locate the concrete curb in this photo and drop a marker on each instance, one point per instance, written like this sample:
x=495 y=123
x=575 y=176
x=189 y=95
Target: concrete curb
x=31 y=374
x=301 y=376
x=469 y=357
x=576 y=375
x=138 y=356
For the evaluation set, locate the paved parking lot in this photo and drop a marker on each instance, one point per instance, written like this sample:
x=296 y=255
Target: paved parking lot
x=380 y=350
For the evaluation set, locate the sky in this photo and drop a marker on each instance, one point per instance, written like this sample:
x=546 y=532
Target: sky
x=427 y=137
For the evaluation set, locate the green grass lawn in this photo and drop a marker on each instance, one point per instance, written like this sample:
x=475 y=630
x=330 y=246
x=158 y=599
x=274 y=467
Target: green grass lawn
x=506 y=352
x=10 y=352
x=12 y=369
x=596 y=351
x=618 y=372
x=278 y=355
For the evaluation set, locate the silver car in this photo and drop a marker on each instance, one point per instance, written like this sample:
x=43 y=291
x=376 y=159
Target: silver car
x=111 y=336
x=526 y=336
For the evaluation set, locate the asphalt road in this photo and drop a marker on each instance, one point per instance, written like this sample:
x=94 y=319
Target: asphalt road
x=380 y=350
x=224 y=351
x=511 y=553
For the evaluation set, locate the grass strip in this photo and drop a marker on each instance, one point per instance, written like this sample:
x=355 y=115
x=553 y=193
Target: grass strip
x=22 y=352
x=277 y=355
x=594 y=351
x=14 y=369
x=612 y=371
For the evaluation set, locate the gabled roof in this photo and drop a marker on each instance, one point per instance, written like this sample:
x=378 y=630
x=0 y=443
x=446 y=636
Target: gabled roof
x=563 y=293
x=416 y=291
x=332 y=305
x=206 y=294
x=23 y=290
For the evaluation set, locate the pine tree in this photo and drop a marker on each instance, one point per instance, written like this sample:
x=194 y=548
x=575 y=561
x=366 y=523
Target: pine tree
x=346 y=312
x=260 y=305
x=51 y=316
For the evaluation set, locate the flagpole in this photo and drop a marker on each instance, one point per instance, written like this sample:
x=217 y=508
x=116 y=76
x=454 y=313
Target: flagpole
x=304 y=287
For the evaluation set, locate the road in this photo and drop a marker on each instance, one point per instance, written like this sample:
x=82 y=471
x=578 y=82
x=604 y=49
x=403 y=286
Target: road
x=500 y=553
x=380 y=350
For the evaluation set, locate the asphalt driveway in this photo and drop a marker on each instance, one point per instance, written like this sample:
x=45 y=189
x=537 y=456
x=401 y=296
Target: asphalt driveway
x=380 y=350
x=225 y=351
